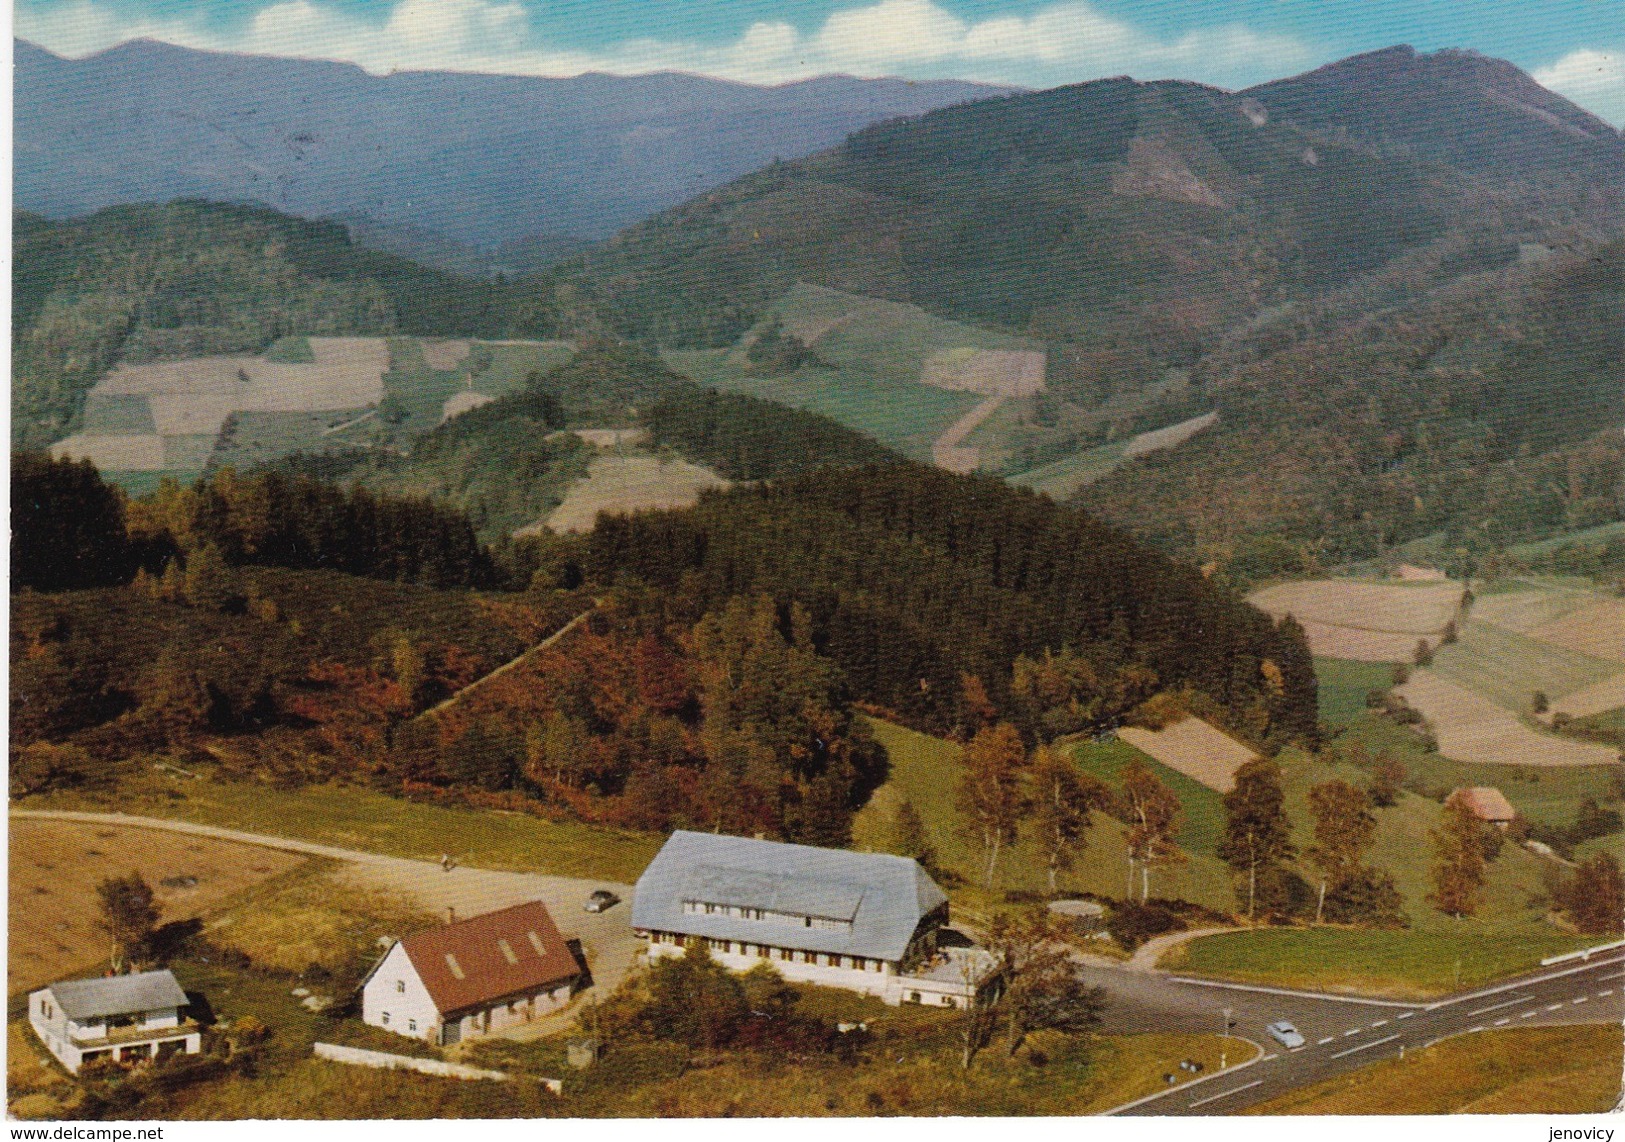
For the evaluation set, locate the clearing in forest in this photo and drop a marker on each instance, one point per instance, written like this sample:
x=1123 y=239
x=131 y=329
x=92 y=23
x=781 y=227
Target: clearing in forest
x=1194 y=748
x=625 y=484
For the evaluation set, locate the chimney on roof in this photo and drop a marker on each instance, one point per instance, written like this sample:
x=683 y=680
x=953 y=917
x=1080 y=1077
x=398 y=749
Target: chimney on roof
x=451 y=914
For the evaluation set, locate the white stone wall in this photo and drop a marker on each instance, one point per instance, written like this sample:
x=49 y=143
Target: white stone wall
x=395 y=999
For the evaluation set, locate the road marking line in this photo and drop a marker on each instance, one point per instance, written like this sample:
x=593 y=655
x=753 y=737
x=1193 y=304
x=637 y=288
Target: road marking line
x=1475 y=1030
x=1379 y=1023
x=1267 y=1058
x=1326 y=1040
x=1366 y=1046
x=1581 y=999
x=1404 y=1015
x=1226 y=1094
x=1291 y=993
x=1605 y=994
x=1356 y=1031
x=1553 y=1006
x=1503 y=1022
x=1530 y=982
x=1497 y=1006
x=1528 y=1015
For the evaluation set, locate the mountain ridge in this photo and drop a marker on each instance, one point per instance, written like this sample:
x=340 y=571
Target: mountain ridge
x=481 y=158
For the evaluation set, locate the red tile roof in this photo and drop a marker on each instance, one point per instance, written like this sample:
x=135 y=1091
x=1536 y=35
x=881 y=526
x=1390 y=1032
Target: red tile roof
x=485 y=958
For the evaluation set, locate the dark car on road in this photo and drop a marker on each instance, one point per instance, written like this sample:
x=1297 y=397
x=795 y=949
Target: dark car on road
x=601 y=901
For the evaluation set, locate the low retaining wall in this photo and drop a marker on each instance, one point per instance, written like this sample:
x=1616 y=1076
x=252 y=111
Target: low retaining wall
x=360 y=1057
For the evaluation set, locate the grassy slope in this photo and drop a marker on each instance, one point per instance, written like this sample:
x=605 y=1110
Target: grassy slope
x=1535 y=1070
x=1546 y=795
x=1508 y=668
x=926 y=770
x=875 y=351
x=1509 y=933
x=351 y=817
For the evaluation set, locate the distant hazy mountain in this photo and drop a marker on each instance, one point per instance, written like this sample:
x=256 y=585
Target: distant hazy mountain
x=480 y=159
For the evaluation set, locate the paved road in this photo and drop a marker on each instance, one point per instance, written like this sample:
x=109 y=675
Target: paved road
x=1344 y=1035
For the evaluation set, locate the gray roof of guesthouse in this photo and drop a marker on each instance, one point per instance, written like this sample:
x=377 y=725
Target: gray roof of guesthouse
x=883 y=897
x=86 y=999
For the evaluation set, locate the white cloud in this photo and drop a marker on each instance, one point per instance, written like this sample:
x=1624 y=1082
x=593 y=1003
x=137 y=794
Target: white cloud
x=1593 y=79
x=1068 y=41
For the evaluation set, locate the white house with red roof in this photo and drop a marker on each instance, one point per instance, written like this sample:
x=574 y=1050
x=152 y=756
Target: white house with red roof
x=472 y=977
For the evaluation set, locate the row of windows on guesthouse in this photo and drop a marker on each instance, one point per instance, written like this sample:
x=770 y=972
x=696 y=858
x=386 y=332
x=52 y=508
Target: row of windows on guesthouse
x=769 y=952
x=735 y=911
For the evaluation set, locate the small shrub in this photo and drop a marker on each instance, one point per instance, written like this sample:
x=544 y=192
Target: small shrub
x=1132 y=924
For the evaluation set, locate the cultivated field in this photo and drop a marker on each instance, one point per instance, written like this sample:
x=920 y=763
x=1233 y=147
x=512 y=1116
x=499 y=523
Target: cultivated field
x=1365 y=622
x=889 y=370
x=1194 y=748
x=991 y=372
x=1171 y=437
x=55 y=867
x=950 y=452
x=1596 y=628
x=624 y=484
x=1471 y=727
x=444 y=356
x=466 y=401
x=1609 y=694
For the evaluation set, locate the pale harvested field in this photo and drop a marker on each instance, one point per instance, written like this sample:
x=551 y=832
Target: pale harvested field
x=56 y=865
x=1171 y=437
x=991 y=372
x=1417 y=610
x=1410 y=573
x=466 y=401
x=612 y=437
x=1330 y=641
x=1524 y=610
x=136 y=453
x=1471 y=728
x=1196 y=749
x=1609 y=694
x=624 y=484
x=444 y=356
x=947 y=452
x=1596 y=628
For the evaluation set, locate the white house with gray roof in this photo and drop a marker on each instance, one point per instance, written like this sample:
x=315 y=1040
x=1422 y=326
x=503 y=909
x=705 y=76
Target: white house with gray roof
x=868 y=922
x=123 y=1017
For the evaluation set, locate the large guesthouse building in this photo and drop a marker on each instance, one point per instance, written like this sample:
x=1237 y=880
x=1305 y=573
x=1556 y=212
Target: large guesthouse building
x=869 y=922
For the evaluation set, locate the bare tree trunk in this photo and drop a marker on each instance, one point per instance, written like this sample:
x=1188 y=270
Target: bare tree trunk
x=1320 y=906
x=1145 y=881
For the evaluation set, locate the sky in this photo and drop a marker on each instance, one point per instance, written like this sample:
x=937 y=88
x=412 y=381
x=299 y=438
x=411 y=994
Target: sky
x=1574 y=47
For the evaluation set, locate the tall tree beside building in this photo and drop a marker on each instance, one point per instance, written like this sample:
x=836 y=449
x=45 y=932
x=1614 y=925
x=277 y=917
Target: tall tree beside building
x=1257 y=834
x=128 y=914
x=990 y=793
x=1063 y=800
x=1458 y=863
x=1042 y=990
x=1152 y=813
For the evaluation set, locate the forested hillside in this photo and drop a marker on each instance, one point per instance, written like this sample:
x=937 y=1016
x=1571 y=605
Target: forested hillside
x=915 y=579
x=1487 y=412
x=507 y=463
x=141 y=283
x=1157 y=213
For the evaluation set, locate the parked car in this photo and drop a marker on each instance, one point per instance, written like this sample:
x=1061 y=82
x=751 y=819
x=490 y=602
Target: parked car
x=602 y=901
x=1286 y=1035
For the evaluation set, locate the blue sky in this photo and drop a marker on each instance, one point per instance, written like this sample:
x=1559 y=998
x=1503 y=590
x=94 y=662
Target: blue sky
x=1576 y=47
